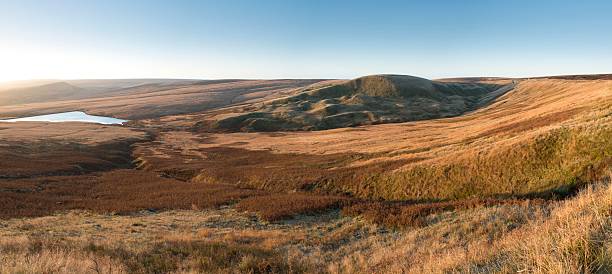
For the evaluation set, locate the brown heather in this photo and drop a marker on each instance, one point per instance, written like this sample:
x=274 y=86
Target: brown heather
x=40 y=149
x=282 y=206
x=119 y=191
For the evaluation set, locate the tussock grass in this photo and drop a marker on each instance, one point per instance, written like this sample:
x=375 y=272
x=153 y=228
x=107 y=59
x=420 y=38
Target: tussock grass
x=550 y=164
x=406 y=215
x=576 y=238
x=569 y=236
x=196 y=256
x=491 y=153
x=164 y=257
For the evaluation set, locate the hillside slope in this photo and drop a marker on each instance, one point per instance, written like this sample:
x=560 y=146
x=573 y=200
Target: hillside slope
x=372 y=99
x=544 y=137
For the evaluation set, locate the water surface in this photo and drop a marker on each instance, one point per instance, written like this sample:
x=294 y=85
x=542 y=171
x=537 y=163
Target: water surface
x=73 y=116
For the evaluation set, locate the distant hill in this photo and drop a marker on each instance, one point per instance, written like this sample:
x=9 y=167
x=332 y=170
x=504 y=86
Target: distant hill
x=43 y=93
x=39 y=91
x=141 y=98
x=367 y=100
x=25 y=83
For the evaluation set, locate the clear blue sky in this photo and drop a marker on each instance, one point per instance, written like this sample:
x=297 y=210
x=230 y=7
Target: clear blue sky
x=302 y=39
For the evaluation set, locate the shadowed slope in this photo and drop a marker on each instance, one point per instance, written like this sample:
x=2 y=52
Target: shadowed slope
x=32 y=149
x=367 y=100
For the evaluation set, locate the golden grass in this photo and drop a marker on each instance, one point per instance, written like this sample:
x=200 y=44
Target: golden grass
x=576 y=238
x=436 y=138
x=573 y=236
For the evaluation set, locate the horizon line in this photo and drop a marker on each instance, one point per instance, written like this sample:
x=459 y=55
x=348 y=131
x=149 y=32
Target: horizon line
x=286 y=78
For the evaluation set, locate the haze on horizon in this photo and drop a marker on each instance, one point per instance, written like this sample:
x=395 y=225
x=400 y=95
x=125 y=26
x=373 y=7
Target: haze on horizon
x=68 y=39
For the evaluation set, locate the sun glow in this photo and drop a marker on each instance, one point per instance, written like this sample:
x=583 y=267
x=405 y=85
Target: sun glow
x=24 y=62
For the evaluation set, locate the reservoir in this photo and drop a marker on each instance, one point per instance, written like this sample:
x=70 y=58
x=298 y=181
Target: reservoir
x=73 y=116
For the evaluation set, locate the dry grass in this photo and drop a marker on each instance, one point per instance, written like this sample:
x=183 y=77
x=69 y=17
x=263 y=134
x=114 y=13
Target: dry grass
x=576 y=238
x=571 y=236
x=440 y=138
x=171 y=242
x=515 y=147
x=163 y=257
x=260 y=169
x=406 y=215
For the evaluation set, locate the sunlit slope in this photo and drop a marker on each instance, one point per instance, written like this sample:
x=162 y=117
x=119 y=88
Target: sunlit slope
x=545 y=136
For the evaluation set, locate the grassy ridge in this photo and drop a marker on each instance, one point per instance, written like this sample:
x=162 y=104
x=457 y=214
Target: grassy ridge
x=553 y=163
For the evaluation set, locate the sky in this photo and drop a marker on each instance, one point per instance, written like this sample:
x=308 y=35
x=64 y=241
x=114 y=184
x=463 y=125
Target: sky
x=259 y=39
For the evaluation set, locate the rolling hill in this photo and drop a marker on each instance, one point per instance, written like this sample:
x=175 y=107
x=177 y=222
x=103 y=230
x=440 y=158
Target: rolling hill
x=367 y=100
x=44 y=93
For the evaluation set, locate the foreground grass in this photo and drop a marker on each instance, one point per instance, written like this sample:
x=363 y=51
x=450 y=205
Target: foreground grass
x=570 y=236
x=577 y=238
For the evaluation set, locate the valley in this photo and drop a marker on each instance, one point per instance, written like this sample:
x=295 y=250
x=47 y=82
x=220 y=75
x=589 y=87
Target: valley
x=309 y=176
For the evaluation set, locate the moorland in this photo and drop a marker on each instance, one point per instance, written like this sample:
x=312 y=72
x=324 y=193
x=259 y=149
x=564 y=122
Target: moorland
x=379 y=174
